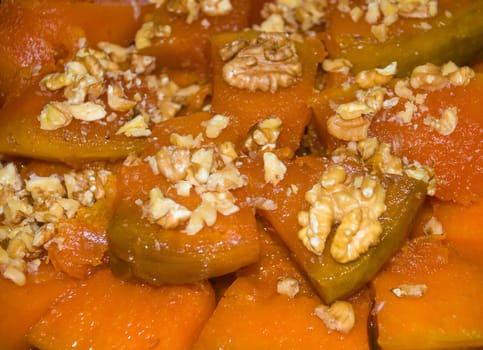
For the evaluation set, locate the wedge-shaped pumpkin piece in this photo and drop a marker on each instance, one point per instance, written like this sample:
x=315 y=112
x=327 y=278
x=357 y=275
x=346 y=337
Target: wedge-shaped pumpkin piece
x=418 y=304
x=82 y=246
x=53 y=214
x=40 y=34
x=95 y=107
x=178 y=33
x=461 y=227
x=277 y=87
x=21 y=135
x=455 y=33
x=107 y=313
x=332 y=279
x=457 y=167
x=23 y=306
x=252 y=314
x=175 y=246
x=406 y=126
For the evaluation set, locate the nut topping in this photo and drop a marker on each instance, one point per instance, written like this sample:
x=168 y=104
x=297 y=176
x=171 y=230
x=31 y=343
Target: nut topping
x=268 y=62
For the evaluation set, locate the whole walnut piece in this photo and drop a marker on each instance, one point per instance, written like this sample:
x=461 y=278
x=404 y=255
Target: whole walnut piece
x=265 y=63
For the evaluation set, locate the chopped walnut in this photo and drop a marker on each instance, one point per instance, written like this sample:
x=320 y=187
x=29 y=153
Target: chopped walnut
x=117 y=53
x=184 y=95
x=43 y=235
x=116 y=100
x=461 y=77
x=310 y=14
x=93 y=65
x=149 y=31
x=41 y=186
x=384 y=162
x=56 y=81
x=380 y=32
x=263 y=203
x=215 y=125
x=378 y=76
x=356 y=14
x=407 y=114
x=16 y=209
x=446 y=124
x=333 y=176
x=353 y=110
x=359 y=228
x=317 y=224
x=274 y=168
x=338 y=65
x=225 y=179
x=224 y=202
x=190 y=8
x=15 y=274
x=288 y=286
x=264 y=135
x=274 y=23
x=339 y=316
x=136 y=127
x=216 y=7
x=401 y=89
x=173 y=162
x=54 y=115
x=433 y=227
x=368 y=147
x=428 y=77
x=410 y=290
x=373 y=98
x=348 y=130
x=186 y=141
x=204 y=214
x=422 y=173
x=268 y=62
x=165 y=211
x=373 y=12
x=228 y=152
x=87 y=111
x=141 y=64
x=202 y=161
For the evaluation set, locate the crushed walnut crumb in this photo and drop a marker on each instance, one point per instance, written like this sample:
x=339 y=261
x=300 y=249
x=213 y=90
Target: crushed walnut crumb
x=433 y=227
x=274 y=168
x=410 y=290
x=148 y=32
x=339 y=316
x=264 y=135
x=446 y=124
x=215 y=126
x=288 y=286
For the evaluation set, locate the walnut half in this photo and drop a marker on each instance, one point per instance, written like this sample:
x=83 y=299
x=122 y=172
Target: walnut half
x=266 y=63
